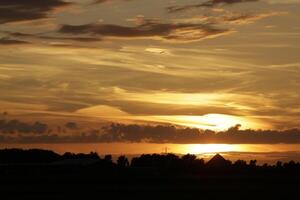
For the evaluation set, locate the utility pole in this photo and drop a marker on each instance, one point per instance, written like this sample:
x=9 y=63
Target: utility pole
x=166 y=150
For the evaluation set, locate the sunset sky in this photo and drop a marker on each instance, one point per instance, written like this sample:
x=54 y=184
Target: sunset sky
x=209 y=64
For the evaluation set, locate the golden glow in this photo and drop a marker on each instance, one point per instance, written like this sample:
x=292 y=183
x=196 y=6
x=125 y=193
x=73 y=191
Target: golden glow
x=237 y=101
x=171 y=98
x=210 y=121
x=164 y=73
x=102 y=111
x=148 y=148
x=224 y=121
x=210 y=148
x=217 y=122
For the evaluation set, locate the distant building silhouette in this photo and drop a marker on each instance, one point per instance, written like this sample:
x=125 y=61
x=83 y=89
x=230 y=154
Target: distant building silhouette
x=218 y=162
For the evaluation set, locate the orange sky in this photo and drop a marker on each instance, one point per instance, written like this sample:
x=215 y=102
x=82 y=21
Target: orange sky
x=195 y=63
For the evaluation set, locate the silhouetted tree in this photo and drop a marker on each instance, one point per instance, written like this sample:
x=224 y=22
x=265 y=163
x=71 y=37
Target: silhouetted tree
x=108 y=158
x=122 y=162
x=279 y=164
x=240 y=164
x=253 y=163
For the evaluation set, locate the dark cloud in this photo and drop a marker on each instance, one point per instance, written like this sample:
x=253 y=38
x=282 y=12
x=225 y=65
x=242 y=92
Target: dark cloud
x=104 y=1
x=100 y=1
x=172 y=134
x=180 y=32
x=233 y=18
x=26 y=36
x=149 y=29
x=71 y=125
x=16 y=126
x=148 y=133
x=75 y=39
x=24 y=10
x=247 y=18
x=210 y=3
x=8 y=41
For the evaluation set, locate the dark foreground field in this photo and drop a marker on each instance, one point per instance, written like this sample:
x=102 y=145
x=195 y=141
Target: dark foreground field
x=38 y=174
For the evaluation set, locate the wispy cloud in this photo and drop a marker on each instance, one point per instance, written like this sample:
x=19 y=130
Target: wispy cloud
x=210 y=3
x=122 y=59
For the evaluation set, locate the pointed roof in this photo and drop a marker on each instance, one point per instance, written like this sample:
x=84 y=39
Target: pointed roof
x=218 y=160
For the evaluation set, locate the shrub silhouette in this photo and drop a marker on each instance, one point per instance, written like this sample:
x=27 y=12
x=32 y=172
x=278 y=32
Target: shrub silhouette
x=123 y=162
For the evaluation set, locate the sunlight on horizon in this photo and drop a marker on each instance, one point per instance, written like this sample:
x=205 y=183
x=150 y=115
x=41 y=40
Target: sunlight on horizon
x=210 y=148
x=212 y=121
x=236 y=150
x=216 y=122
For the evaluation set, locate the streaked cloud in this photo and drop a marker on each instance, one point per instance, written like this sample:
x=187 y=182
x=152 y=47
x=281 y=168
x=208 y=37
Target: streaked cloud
x=19 y=10
x=105 y=1
x=210 y=3
x=7 y=41
x=122 y=62
x=177 y=32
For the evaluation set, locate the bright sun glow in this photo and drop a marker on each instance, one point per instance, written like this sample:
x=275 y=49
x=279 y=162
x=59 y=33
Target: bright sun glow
x=210 y=148
x=223 y=121
x=210 y=121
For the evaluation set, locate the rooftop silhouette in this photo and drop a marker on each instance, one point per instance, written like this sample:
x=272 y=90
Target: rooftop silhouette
x=218 y=161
